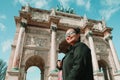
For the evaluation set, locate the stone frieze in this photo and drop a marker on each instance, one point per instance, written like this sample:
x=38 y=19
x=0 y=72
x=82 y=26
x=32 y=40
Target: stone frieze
x=37 y=41
x=39 y=17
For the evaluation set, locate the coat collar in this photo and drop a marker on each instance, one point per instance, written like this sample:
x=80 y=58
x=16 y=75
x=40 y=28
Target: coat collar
x=71 y=47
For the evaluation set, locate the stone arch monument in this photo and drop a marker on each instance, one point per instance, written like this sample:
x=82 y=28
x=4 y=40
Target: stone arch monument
x=40 y=36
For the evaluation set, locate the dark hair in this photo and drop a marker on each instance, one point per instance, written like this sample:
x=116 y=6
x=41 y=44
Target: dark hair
x=60 y=68
x=77 y=30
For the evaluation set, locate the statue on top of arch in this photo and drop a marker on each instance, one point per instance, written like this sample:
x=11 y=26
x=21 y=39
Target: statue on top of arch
x=66 y=10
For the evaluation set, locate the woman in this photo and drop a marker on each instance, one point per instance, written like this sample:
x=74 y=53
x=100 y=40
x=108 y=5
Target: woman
x=59 y=67
x=77 y=63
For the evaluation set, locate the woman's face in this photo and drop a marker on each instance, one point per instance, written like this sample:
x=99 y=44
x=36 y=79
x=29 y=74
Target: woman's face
x=71 y=37
x=59 y=64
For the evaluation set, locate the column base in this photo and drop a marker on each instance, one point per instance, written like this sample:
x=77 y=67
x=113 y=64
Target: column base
x=97 y=71
x=54 y=71
x=118 y=71
x=12 y=75
x=15 y=69
x=53 y=76
x=98 y=75
x=117 y=75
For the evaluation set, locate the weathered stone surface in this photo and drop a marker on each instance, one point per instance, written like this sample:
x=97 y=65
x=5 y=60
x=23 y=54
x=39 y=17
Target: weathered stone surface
x=37 y=38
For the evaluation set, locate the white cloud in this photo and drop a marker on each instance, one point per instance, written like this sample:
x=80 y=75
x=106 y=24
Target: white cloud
x=6 y=45
x=110 y=8
x=35 y=3
x=84 y=3
x=2 y=17
x=110 y=2
x=80 y=2
x=88 y=4
x=23 y=2
x=41 y=3
x=107 y=13
x=2 y=27
x=65 y=3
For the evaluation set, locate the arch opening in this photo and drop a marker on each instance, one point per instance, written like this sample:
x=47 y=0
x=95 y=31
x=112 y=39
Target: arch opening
x=34 y=66
x=33 y=73
x=103 y=67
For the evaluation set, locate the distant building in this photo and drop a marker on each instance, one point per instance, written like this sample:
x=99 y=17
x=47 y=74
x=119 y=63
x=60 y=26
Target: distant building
x=40 y=36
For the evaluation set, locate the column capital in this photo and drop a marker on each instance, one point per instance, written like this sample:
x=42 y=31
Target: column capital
x=88 y=33
x=23 y=22
x=53 y=27
x=108 y=37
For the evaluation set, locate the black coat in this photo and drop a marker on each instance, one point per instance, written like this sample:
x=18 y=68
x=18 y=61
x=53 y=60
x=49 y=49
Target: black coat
x=77 y=63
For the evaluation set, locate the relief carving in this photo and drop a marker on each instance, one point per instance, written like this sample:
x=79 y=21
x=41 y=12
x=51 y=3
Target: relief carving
x=37 y=31
x=39 y=17
x=37 y=41
x=32 y=52
x=28 y=51
x=36 y=52
x=98 y=27
x=28 y=40
x=41 y=42
x=100 y=46
x=60 y=37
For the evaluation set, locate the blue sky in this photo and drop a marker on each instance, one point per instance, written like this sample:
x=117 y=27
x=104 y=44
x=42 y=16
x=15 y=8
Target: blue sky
x=94 y=9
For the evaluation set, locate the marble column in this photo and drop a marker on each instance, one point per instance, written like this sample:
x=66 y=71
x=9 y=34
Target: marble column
x=53 y=47
x=108 y=73
x=42 y=76
x=108 y=37
x=93 y=54
x=16 y=58
x=25 y=75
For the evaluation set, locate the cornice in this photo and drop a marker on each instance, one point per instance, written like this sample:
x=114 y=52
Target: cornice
x=107 y=29
x=56 y=19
